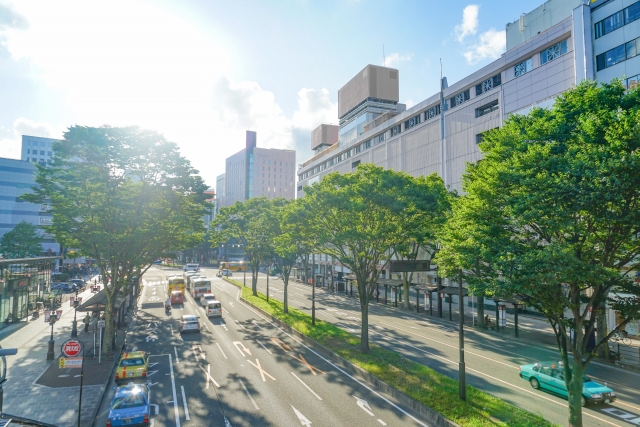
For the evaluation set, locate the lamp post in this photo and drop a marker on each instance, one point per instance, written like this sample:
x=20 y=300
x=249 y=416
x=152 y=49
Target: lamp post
x=52 y=343
x=313 y=289
x=462 y=381
x=267 y=283
x=74 y=329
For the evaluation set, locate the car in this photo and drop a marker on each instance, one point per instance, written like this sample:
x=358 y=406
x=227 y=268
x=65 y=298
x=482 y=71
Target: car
x=205 y=298
x=226 y=272
x=177 y=297
x=213 y=308
x=158 y=261
x=63 y=287
x=132 y=366
x=80 y=284
x=191 y=267
x=189 y=323
x=130 y=406
x=550 y=376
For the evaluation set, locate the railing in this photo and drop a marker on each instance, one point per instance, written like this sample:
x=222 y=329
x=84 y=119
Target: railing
x=626 y=355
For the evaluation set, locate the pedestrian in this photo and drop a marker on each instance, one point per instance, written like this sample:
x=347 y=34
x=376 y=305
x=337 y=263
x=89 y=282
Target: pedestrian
x=377 y=294
x=87 y=321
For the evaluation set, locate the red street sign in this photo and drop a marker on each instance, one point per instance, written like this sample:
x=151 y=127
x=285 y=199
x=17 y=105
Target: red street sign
x=71 y=348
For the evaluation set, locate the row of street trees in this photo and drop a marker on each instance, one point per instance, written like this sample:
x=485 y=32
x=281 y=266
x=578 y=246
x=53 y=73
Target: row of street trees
x=550 y=215
x=124 y=197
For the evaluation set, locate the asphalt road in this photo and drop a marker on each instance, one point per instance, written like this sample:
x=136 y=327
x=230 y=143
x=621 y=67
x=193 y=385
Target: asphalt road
x=241 y=370
x=491 y=362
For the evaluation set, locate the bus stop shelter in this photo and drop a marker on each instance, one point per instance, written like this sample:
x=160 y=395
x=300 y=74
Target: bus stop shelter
x=501 y=318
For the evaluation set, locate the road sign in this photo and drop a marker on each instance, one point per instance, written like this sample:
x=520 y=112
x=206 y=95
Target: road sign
x=72 y=301
x=102 y=323
x=71 y=348
x=70 y=362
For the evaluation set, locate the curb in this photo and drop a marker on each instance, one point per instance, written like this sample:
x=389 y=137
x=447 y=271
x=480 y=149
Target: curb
x=430 y=415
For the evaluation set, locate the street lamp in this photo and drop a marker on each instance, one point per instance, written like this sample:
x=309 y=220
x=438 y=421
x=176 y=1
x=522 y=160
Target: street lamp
x=52 y=343
x=462 y=381
x=313 y=289
x=74 y=329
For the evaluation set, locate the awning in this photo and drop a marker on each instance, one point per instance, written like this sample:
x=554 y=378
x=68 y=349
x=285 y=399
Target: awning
x=98 y=302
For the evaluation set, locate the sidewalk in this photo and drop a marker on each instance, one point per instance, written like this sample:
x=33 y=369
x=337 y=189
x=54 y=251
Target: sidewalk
x=38 y=389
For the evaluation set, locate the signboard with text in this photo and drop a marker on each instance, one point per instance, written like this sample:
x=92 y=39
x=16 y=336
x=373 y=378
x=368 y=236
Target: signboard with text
x=70 y=362
x=71 y=348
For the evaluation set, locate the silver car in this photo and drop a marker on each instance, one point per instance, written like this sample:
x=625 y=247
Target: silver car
x=189 y=323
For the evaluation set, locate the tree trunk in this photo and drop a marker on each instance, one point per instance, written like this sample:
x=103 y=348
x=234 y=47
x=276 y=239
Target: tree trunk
x=286 y=294
x=406 y=281
x=480 y=302
x=364 y=331
x=105 y=346
x=601 y=332
x=574 y=387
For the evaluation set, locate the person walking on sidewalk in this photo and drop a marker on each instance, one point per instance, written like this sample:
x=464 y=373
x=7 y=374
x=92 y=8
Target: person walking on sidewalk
x=87 y=321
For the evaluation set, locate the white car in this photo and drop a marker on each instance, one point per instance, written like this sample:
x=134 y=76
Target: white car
x=213 y=308
x=205 y=298
x=226 y=272
x=189 y=323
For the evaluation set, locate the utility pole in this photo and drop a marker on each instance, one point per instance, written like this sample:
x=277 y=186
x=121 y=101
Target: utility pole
x=462 y=380
x=313 y=289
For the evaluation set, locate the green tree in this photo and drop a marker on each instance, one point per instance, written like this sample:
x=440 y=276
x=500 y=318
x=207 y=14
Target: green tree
x=21 y=242
x=426 y=204
x=553 y=213
x=123 y=196
x=357 y=221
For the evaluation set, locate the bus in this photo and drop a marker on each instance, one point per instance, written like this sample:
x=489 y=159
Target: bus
x=234 y=265
x=199 y=287
x=176 y=283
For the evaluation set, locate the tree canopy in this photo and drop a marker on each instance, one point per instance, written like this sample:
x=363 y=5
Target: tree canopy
x=21 y=242
x=551 y=214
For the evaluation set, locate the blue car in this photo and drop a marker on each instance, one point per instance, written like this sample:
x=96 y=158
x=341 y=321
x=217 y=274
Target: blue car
x=63 y=287
x=130 y=406
x=550 y=376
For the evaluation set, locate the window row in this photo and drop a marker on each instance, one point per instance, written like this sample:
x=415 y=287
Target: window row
x=618 y=54
x=487 y=108
x=35 y=152
x=617 y=20
x=488 y=84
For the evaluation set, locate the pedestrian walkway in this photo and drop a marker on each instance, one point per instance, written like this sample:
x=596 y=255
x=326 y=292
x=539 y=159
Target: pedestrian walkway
x=38 y=389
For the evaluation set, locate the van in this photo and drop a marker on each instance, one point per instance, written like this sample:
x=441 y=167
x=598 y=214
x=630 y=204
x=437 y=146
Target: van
x=213 y=308
x=191 y=267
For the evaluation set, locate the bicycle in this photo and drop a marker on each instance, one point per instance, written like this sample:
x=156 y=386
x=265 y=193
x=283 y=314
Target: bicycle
x=622 y=336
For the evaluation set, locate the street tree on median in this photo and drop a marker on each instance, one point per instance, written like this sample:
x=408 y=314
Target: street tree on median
x=123 y=196
x=426 y=202
x=552 y=213
x=356 y=220
x=21 y=242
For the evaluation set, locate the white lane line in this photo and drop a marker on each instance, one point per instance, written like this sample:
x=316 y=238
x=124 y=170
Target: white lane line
x=256 y=323
x=207 y=374
x=225 y=310
x=176 y=351
x=382 y=422
x=231 y=304
x=218 y=344
x=175 y=398
x=240 y=325
x=206 y=327
x=264 y=346
x=247 y=391
x=308 y=388
x=238 y=296
x=184 y=402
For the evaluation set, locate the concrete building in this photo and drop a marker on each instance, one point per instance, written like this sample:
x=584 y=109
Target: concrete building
x=37 y=150
x=220 y=182
x=259 y=172
x=16 y=178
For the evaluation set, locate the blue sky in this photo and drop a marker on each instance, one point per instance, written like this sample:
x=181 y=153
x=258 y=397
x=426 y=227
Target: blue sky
x=203 y=71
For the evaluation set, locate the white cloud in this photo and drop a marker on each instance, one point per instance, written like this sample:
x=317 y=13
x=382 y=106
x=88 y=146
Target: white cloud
x=393 y=59
x=491 y=45
x=10 y=146
x=469 y=25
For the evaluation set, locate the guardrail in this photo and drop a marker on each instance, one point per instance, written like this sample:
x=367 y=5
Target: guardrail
x=627 y=355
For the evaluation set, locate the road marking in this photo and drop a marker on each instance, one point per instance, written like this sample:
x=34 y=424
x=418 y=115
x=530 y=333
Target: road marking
x=225 y=310
x=382 y=422
x=175 y=398
x=262 y=371
x=241 y=348
x=151 y=373
x=218 y=344
x=281 y=344
x=240 y=325
x=264 y=346
x=308 y=388
x=207 y=374
x=176 y=351
x=311 y=367
x=224 y=325
x=184 y=402
x=206 y=327
x=201 y=353
x=624 y=415
x=364 y=405
x=303 y=420
x=231 y=304
x=248 y=394
x=256 y=323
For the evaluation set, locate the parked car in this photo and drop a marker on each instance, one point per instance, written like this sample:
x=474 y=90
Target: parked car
x=130 y=406
x=213 y=308
x=63 y=287
x=189 y=323
x=158 y=261
x=132 y=366
x=550 y=376
x=205 y=298
x=177 y=297
x=80 y=284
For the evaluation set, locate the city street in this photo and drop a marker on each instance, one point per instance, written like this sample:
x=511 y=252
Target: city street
x=492 y=361
x=241 y=370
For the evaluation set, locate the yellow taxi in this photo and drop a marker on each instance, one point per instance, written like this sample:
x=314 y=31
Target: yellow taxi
x=132 y=366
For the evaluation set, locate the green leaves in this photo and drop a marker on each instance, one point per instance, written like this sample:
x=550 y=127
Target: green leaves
x=21 y=242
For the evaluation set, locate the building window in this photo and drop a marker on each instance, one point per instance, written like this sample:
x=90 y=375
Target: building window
x=49 y=153
x=610 y=57
x=523 y=67
x=554 y=52
x=632 y=83
x=609 y=24
x=28 y=152
x=432 y=112
x=460 y=98
x=348 y=154
x=358 y=148
x=367 y=144
x=480 y=136
x=355 y=164
x=413 y=121
x=395 y=130
x=488 y=84
x=299 y=187
x=486 y=109
x=632 y=13
x=632 y=48
x=379 y=138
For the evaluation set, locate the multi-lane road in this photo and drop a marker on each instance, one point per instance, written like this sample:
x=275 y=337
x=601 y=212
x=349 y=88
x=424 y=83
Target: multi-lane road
x=492 y=362
x=242 y=370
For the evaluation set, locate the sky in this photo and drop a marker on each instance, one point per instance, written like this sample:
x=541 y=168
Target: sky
x=202 y=72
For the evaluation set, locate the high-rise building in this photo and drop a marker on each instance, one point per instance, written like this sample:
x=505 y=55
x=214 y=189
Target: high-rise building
x=258 y=172
x=37 y=150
